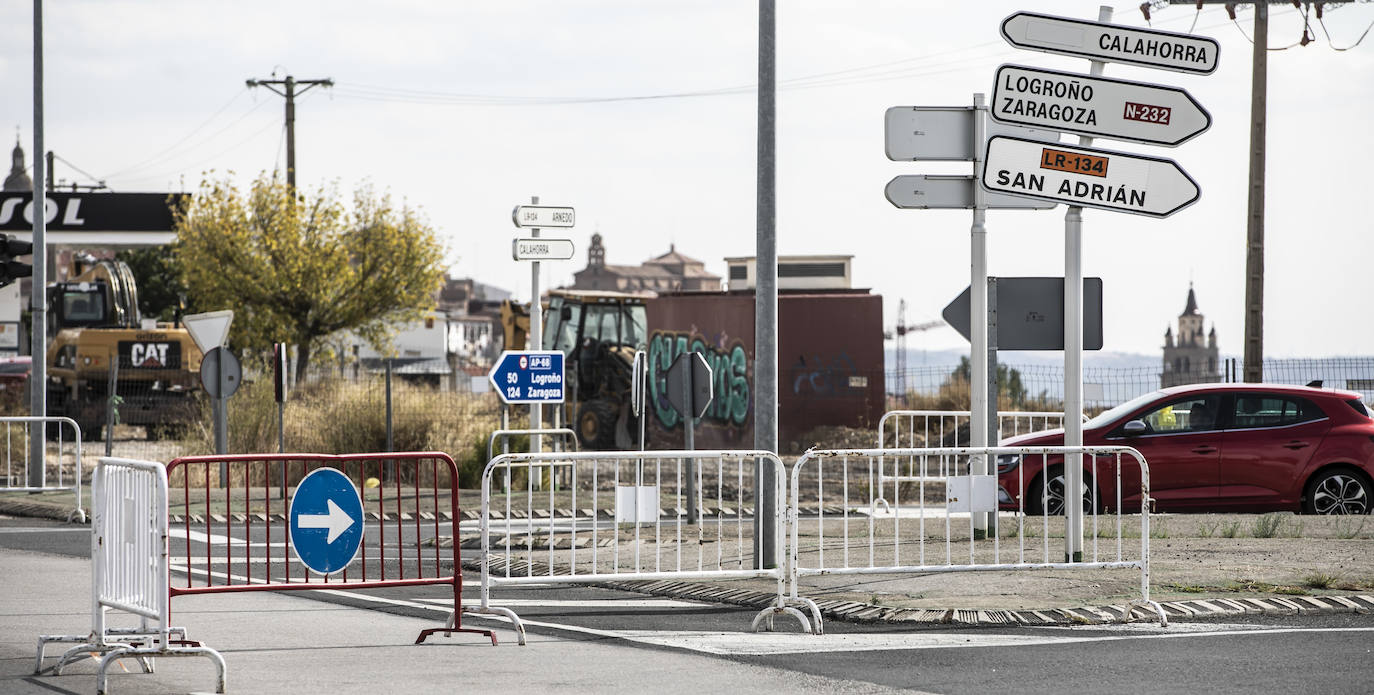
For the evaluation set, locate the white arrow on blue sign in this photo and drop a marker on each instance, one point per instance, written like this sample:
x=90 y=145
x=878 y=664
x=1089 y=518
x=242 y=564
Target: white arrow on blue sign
x=529 y=376
x=326 y=517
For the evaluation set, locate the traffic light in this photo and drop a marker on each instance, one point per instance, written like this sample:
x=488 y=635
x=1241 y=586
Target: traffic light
x=10 y=269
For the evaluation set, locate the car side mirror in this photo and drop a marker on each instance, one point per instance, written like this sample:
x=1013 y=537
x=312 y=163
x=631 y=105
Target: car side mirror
x=1135 y=428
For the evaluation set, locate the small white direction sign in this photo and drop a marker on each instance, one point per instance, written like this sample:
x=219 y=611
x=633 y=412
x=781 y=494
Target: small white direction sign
x=542 y=249
x=942 y=133
x=1096 y=106
x=538 y=216
x=1112 y=42
x=1088 y=177
x=951 y=192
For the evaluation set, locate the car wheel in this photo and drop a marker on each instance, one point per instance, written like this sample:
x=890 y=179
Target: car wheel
x=1337 y=491
x=1049 y=499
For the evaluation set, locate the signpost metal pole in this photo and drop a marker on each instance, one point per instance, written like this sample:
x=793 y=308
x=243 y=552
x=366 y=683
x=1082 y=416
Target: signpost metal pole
x=978 y=312
x=38 y=296
x=993 y=421
x=1073 y=358
x=221 y=420
x=766 y=550
x=689 y=443
x=536 y=340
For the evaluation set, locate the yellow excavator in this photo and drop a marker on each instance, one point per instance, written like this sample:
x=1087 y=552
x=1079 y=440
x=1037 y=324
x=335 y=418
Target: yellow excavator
x=598 y=333
x=94 y=326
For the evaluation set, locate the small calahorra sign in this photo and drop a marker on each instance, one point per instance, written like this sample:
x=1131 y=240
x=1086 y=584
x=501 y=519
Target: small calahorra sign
x=1112 y=43
x=1088 y=177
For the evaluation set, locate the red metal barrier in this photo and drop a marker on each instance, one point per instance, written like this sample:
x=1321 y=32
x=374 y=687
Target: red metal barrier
x=416 y=499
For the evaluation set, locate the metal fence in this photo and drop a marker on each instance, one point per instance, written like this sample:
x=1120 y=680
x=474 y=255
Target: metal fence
x=678 y=515
x=928 y=530
x=921 y=429
x=402 y=543
x=129 y=557
x=1042 y=385
x=61 y=465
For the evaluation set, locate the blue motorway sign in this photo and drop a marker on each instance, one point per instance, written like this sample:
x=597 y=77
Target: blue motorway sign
x=326 y=521
x=529 y=376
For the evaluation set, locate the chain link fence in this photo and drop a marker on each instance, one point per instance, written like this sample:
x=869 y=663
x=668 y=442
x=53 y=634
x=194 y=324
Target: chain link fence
x=1041 y=387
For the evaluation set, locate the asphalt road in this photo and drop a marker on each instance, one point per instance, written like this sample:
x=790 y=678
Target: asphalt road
x=1299 y=654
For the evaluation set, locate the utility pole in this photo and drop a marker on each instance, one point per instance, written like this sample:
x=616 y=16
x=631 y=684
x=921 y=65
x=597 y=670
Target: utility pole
x=288 y=90
x=1254 y=227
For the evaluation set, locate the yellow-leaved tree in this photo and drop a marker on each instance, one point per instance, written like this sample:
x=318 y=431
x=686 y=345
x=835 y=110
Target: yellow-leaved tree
x=298 y=267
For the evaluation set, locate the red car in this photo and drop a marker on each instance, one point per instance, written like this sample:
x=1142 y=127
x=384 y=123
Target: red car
x=1215 y=447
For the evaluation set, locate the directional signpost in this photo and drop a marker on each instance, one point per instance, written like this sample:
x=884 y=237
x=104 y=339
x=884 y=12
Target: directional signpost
x=326 y=518
x=541 y=249
x=536 y=216
x=1081 y=176
x=1112 y=43
x=950 y=192
x=943 y=133
x=533 y=217
x=1117 y=109
x=528 y=376
x=1088 y=177
x=690 y=389
x=1030 y=313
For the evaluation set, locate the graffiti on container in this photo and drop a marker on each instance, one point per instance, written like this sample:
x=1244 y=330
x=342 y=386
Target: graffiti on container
x=817 y=378
x=729 y=372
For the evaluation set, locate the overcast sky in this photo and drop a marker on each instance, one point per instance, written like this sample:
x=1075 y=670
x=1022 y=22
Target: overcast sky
x=641 y=115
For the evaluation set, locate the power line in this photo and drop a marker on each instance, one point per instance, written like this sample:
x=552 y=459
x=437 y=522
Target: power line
x=184 y=138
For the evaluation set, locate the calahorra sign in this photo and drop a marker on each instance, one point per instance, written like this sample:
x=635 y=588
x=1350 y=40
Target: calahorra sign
x=1111 y=42
x=1096 y=106
x=1088 y=177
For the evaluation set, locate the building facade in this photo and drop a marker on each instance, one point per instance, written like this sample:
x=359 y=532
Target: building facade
x=1190 y=357
x=671 y=272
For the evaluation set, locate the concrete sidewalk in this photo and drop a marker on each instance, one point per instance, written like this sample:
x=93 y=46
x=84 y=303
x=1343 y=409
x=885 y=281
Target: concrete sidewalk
x=282 y=643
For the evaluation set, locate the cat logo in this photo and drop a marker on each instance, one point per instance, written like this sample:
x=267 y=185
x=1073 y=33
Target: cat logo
x=148 y=354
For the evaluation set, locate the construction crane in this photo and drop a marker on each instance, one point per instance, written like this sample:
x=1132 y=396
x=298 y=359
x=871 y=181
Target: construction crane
x=900 y=334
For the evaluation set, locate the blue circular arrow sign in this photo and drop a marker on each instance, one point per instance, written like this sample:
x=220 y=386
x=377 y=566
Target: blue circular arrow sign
x=326 y=521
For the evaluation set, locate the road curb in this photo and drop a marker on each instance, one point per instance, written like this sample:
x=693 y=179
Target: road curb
x=856 y=612
x=38 y=509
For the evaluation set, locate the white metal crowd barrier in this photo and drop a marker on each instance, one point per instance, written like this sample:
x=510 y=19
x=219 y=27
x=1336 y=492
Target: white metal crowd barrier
x=860 y=540
x=915 y=428
x=623 y=517
x=920 y=429
x=129 y=558
x=61 y=458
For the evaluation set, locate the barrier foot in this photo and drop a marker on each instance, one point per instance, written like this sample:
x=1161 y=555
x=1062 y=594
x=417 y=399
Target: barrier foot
x=815 y=615
x=43 y=640
x=144 y=655
x=767 y=615
x=506 y=613
x=1148 y=605
x=448 y=632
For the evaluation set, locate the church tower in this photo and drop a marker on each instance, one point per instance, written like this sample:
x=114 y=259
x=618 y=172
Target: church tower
x=1190 y=356
x=18 y=180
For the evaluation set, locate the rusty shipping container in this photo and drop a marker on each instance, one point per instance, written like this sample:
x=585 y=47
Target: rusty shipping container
x=830 y=364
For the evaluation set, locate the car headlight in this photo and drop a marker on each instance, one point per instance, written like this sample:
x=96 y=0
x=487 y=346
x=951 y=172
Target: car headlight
x=1007 y=463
